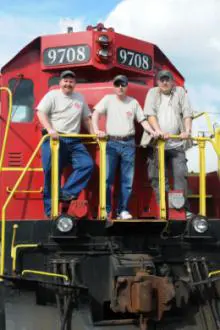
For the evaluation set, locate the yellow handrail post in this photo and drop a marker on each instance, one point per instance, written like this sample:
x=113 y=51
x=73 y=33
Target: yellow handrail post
x=54 y=145
x=7 y=123
x=217 y=141
x=161 y=163
x=202 y=178
x=102 y=179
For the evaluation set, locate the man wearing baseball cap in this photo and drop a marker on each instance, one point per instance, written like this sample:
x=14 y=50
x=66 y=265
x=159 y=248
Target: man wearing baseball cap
x=121 y=112
x=169 y=112
x=62 y=111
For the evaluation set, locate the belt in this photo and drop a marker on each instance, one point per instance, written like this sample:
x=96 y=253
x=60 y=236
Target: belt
x=120 y=138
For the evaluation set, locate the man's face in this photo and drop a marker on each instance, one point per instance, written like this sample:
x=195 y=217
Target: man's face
x=120 y=88
x=165 y=84
x=67 y=85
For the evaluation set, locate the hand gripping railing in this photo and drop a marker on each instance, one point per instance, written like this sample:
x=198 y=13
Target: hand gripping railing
x=55 y=184
x=202 y=173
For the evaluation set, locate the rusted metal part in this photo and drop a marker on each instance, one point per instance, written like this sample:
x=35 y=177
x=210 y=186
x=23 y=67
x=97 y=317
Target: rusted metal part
x=143 y=294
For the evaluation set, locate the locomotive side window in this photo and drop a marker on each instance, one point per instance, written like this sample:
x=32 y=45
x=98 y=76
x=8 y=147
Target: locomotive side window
x=23 y=100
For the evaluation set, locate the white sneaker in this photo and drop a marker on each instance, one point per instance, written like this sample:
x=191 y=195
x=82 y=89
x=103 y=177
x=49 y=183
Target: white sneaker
x=124 y=215
x=189 y=215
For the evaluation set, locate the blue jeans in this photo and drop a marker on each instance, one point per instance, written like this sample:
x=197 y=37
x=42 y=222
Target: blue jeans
x=123 y=152
x=72 y=152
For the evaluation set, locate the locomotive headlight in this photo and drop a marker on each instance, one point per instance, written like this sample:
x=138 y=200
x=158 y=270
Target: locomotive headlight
x=64 y=223
x=103 y=40
x=103 y=53
x=200 y=224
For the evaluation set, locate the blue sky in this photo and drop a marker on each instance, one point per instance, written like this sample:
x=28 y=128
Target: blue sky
x=52 y=10
x=186 y=30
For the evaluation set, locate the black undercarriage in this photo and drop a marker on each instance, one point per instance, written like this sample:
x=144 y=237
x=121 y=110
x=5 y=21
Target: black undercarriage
x=154 y=276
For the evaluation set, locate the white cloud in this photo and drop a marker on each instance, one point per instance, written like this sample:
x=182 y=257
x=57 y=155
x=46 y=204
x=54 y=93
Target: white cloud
x=188 y=33
x=186 y=30
x=21 y=30
x=77 y=24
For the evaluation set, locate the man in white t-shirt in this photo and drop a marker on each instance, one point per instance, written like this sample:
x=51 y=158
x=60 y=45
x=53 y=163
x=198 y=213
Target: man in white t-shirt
x=62 y=111
x=169 y=112
x=121 y=111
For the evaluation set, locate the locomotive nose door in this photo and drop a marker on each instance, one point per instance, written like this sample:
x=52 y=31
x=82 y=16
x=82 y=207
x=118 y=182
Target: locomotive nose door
x=22 y=139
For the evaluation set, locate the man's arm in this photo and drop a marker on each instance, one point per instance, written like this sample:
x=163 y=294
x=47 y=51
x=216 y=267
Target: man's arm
x=95 y=122
x=146 y=126
x=87 y=123
x=187 y=113
x=43 y=118
x=187 y=128
x=154 y=123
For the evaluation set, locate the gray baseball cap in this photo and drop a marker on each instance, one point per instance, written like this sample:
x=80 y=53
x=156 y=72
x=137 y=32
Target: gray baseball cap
x=163 y=74
x=67 y=73
x=122 y=78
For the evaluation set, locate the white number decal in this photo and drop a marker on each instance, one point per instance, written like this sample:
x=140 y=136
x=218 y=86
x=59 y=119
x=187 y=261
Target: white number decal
x=66 y=55
x=52 y=55
x=81 y=54
x=138 y=60
x=70 y=55
x=134 y=59
x=62 y=52
x=145 y=63
x=123 y=56
x=131 y=56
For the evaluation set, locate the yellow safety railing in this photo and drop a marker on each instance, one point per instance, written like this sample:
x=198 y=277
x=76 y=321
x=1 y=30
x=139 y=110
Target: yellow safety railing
x=38 y=272
x=8 y=199
x=161 y=161
x=55 y=174
x=54 y=189
x=202 y=173
x=217 y=141
x=15 y=248
x=8 y=189
x=7 y=123
x=208 y=120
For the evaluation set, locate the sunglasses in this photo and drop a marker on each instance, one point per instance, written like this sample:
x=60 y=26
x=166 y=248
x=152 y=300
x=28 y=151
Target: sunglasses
x=165 y=79
x=120 y=83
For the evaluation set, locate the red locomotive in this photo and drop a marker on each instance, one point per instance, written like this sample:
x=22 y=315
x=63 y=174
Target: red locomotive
x=157 y=271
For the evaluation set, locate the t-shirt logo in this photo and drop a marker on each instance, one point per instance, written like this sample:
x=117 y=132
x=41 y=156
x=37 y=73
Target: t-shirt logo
x=77 y=105
x=129 y=114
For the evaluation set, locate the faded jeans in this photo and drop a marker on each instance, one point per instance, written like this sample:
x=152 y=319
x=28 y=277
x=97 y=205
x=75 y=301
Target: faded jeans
x=123 y=153
x=71 y=152
x=174 y=158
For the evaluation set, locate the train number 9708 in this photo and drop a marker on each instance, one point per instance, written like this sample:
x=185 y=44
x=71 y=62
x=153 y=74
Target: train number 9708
x=66 y=55
x=134 y=59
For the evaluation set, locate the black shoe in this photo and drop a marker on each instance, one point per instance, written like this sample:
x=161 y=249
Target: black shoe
x=67 y=198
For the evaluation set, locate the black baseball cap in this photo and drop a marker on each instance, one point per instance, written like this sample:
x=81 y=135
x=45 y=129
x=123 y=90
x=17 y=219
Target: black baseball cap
x=164 y=73
x=67 y=73
x=121 y=78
